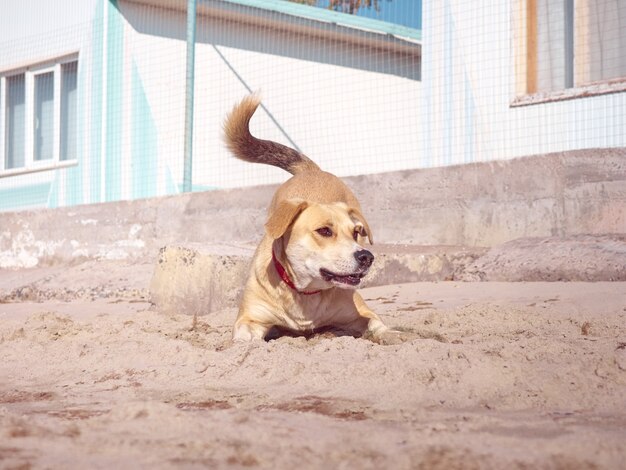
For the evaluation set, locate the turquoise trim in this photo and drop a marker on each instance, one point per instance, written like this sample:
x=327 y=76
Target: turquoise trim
x=329 y=16
x=190 y=77
x=22 y=197
x=171 y=186
x=74 y=176
x=53 y=192
x=143 y=142
x=115 y=77
x=74 y=184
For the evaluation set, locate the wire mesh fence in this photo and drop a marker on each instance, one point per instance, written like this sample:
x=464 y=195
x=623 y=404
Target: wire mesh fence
x=92 y=93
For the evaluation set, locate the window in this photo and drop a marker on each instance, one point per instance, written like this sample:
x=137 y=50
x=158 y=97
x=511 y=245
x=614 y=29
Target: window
x=69 y=110
x=575 y=45
x=403 y=12
x=38 y=117
x=406 y=13
x=44 y=116
x=15 y=121
x=604 y=22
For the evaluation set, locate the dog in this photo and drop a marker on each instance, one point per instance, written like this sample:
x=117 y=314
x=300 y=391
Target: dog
x=306 y=269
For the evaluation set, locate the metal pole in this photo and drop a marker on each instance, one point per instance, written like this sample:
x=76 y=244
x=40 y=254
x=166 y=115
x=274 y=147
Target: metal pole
x=569 y=43
x=189 y=88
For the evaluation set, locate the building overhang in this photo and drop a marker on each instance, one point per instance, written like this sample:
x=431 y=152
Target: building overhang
x=305 y=20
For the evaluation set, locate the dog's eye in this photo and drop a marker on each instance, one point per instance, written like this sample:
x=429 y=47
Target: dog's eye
x=355 y=234
x=325 y=232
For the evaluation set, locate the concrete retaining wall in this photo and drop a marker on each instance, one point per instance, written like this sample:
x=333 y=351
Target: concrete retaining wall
x=484 y=204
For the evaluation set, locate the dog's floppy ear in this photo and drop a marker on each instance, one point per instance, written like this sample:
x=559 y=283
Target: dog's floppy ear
x=357 y=215
x=283 y=216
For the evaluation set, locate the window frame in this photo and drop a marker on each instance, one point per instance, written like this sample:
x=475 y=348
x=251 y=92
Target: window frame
x=524 y=27
x=30 y=72
x=30 y=110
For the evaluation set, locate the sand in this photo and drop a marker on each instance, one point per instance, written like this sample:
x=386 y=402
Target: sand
x=497 y=375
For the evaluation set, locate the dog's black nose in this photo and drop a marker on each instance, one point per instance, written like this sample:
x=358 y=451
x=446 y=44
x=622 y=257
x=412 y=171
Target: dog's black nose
x=364 y=257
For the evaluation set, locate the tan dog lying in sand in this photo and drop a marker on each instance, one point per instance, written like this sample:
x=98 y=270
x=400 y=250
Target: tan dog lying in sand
x=311 y=259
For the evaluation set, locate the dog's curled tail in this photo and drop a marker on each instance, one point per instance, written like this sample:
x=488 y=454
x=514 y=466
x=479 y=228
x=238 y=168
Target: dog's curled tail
x=246 y=147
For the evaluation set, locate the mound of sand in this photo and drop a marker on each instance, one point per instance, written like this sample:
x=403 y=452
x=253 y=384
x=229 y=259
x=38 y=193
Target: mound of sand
x=500 y=375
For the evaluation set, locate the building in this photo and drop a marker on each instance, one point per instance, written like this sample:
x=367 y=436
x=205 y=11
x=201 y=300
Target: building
x=93 y=92
x=505 y=79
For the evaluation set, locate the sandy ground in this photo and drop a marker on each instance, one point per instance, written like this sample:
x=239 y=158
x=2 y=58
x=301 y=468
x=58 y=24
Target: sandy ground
x=501 y=375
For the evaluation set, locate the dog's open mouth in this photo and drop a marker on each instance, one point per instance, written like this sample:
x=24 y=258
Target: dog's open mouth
x=353 y=279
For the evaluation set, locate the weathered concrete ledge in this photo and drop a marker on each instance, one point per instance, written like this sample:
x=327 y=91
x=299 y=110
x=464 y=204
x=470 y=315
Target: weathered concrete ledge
x=199 y=279
x=576 y=258
x=480 y=204
x=90 y=280
x=196 y=280
x=202 y=278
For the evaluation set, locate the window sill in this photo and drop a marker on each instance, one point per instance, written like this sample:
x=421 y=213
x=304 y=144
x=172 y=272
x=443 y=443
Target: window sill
x=603 y=87
x=38 y=168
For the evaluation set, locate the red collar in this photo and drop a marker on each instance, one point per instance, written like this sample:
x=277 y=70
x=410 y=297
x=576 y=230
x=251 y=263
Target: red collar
x=285 y=277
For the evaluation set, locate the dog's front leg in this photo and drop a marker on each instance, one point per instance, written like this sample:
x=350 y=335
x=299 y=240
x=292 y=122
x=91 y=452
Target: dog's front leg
x=375 y=325
x=248 y=330
x=376 y=330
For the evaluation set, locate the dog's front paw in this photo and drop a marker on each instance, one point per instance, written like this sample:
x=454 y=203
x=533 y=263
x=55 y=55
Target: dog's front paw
x=248 y=331
x=390 y=336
